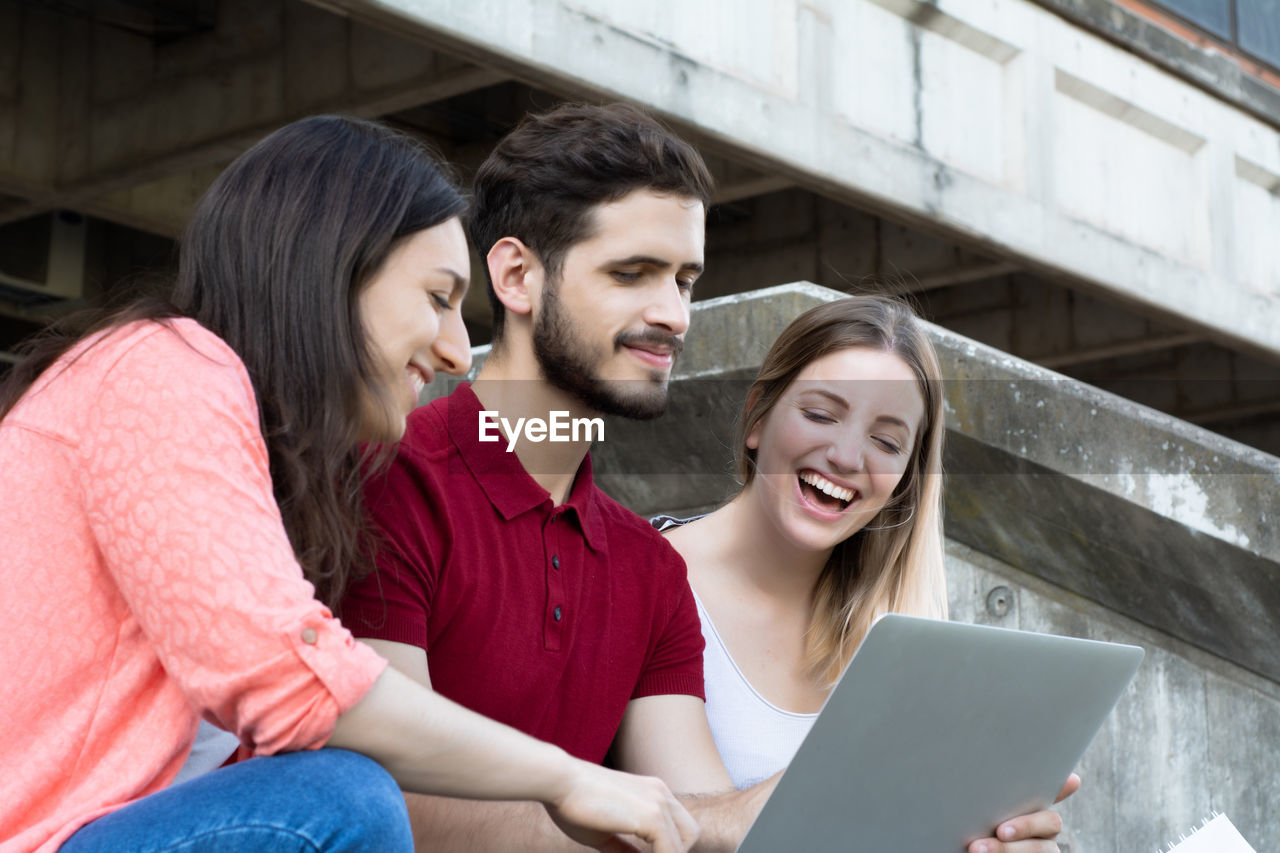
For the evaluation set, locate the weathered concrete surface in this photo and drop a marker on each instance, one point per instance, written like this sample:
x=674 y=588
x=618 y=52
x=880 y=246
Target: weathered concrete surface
x=1153 y=518
x=795 y=235
x=1098 y=517
x=1156 y=519
x=1192 y=734
x=997 y=124
x=114 y=124
x=1216 y=71
x=126 y=128
x=1101 y=518
x=1164 y=522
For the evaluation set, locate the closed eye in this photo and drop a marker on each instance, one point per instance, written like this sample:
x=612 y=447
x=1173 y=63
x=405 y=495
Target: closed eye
x=441 y=301
x=888 y=444
x=818 y=416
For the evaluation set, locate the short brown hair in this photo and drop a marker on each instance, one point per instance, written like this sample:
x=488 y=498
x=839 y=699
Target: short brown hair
x=543 y=179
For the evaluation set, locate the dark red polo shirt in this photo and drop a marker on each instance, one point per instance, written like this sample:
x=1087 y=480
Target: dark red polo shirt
x=550 y=619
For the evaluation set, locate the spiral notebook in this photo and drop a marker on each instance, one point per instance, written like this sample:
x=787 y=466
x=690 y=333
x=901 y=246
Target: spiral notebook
x=1215 y=835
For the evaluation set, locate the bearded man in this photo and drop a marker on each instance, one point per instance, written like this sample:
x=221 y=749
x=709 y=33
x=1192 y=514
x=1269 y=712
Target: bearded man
x=506 y=580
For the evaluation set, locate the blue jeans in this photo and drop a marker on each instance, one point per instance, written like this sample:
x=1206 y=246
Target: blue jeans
x=327 y=800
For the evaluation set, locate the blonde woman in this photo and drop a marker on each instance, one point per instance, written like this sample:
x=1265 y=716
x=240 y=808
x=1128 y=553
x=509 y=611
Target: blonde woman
x=839 y=520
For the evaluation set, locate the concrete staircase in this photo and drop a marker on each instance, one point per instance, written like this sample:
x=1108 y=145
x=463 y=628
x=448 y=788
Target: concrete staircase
x=1071 y=511
x=1068 y=510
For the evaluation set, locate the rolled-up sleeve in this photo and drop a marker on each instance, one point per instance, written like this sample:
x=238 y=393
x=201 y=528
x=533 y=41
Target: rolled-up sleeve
x=178 y=494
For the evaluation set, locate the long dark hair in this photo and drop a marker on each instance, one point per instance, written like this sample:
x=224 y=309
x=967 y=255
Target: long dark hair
x=273 y=262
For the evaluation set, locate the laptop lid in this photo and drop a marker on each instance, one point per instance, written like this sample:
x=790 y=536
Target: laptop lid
x=936 y=733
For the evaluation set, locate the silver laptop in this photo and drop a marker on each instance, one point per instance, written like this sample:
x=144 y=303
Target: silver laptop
x=936 y=733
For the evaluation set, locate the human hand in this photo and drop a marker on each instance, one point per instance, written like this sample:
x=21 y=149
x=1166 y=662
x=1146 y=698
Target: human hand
x=1030 y=833
x=599 y=805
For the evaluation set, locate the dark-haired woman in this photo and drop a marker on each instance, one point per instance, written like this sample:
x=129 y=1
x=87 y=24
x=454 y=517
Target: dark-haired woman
x=179 y=485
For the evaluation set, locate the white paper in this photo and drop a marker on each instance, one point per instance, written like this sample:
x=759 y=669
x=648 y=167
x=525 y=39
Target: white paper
x=1215 y=836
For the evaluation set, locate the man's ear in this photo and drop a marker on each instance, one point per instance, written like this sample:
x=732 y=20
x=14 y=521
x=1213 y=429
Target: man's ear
x=516 y=274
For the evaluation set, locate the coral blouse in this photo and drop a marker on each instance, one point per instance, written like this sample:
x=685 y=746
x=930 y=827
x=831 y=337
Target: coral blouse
x=148 y=582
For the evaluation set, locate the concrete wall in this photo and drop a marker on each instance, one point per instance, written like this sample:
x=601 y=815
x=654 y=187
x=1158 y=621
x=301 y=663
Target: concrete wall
x=1193 y=734
x=129 y=129
x=994 y=121
x=794 y=235
x=133 y=130
x=1162 y=38
x=1103 y=518
x=1099 y=517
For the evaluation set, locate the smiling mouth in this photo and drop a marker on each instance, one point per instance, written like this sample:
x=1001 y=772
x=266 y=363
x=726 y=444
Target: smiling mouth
x=656 y=357
x=824 y=493
x=652 y=346
x=416 y=380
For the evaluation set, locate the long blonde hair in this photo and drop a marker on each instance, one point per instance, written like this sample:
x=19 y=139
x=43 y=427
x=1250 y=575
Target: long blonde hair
x=894 y=564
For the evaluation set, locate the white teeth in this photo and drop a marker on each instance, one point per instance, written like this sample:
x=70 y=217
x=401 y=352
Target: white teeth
x=416 y=380
x=827 y=487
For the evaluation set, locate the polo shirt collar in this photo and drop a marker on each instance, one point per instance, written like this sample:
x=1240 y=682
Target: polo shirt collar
x=505 y=482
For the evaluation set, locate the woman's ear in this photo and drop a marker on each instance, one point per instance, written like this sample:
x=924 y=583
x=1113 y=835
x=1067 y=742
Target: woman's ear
x=516 y=274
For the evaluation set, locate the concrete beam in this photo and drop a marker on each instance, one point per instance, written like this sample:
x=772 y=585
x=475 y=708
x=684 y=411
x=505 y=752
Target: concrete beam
x=998 y=125
x=1089 y=516
x=780 y=236
x=735 y=181
x=959 y=275
x=161 y=206
x=1117 y=350
x=727 y=193
x=113 y=123
x=1234 y=412
x=1167 y=42
x=1164 y=522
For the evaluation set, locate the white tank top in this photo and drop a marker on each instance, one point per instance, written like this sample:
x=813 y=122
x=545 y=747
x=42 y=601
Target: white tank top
x=755 y=737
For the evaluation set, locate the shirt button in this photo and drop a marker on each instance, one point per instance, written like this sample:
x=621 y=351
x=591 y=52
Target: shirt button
x=555 y=561
x=309 y=636
x=556 y=613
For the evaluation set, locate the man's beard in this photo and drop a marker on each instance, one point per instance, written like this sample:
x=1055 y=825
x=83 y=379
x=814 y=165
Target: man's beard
x=557 y=345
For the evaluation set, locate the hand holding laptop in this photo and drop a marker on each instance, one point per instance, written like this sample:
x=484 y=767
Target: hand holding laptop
x=1021 y=833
